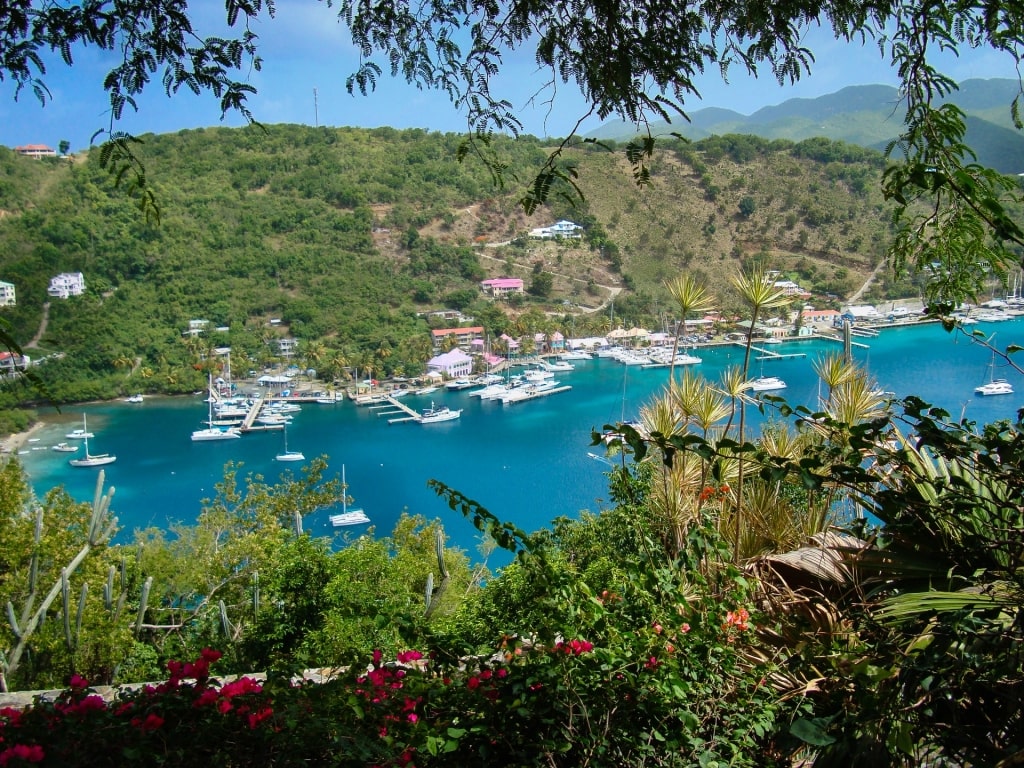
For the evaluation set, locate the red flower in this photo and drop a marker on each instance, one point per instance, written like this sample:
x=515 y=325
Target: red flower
x=29 y=753
x=78 y=683
x=151 y=723
x=210 y=655
x=407 y=656
x=258 y=717
x=651 y=663
x=473 y=683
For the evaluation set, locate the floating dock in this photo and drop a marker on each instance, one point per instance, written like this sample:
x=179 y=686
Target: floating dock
x=535 y=395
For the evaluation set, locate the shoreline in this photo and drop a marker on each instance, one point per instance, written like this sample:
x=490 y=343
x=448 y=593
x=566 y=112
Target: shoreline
x=9 y=445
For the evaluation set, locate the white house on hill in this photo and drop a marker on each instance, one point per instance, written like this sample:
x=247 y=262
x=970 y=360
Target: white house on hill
x=67 y=284
x=561 y=229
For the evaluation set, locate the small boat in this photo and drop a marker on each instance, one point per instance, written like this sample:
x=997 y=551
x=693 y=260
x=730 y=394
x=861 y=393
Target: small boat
x=767 y=384
x=287 y=455
x=136 y=398
x=64 y=448
x=462 y=383
x=433 y=415
x=91 y=460
x=426 y=390
x=79 y=434
x=347 y=516
x=557 y=366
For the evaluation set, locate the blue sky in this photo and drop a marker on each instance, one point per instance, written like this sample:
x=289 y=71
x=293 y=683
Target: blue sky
x=304 y=48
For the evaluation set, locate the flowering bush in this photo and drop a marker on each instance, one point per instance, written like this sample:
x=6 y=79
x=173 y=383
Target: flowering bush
x=573 y=703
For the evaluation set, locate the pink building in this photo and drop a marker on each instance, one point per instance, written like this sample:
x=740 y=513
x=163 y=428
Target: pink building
x=464 y=337
x=452 y=364
x=500 y=287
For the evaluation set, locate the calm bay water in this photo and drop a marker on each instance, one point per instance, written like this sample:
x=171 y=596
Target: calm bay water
x=527 y=463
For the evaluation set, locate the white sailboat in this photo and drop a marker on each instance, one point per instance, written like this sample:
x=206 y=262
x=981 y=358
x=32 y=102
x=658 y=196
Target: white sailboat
x=211 y=432
x=287 y=455
x=347 y=516
x=91 y=460
x=994 y=386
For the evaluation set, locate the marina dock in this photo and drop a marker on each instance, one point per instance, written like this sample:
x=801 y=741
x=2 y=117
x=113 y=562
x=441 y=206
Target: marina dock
x=535 y=395
x=410 y=414
x=250 y=417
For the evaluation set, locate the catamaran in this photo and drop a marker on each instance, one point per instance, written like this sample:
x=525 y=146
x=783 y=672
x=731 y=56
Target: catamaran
x=347 y=516
x=211 y=432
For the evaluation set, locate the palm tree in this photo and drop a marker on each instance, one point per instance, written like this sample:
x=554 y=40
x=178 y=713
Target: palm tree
x=691 y=297
x=759 y=294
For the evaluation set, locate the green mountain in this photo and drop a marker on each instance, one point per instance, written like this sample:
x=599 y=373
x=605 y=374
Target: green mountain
x=345 y=239
x=866 y=115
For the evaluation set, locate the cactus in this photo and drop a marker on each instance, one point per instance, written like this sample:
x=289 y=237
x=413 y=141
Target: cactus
x=143 y=600
x=433 y=596
x=101 y=529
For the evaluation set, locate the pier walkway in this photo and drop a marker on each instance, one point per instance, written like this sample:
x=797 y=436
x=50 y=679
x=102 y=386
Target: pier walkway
x=411 y=415
x=254 y=411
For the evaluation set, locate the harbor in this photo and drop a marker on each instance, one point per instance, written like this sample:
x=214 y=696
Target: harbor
x=506 y=458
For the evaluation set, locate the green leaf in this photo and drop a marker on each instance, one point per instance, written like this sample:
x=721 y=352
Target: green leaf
x=812 y=731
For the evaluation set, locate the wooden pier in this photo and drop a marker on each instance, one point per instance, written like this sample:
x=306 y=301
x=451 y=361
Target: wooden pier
x=250 y=417
x=411 y=415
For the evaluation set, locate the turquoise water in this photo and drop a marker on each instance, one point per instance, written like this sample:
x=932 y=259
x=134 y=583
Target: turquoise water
x=527 y=463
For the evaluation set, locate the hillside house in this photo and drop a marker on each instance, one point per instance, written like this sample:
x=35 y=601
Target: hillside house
x=35 y=150
x=463 y=336
x=67 y=284
x=559 y=230
x=501 y=287
x=8 y=297
x=10 y=362
x=287 y=347
x=452 y=364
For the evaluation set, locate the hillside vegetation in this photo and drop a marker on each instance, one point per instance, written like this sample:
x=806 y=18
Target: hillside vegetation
x=344 y=235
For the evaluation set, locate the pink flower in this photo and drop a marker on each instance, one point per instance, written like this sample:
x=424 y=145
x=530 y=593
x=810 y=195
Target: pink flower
x=78 y=683
x=651 y=663
x=377 y=655
x=502 y=673
x=152 y=722
x=413 y=717
x=210 y=655
x=685 y=628
x=737 y=619
x=29 y=753
x=258 y=717
x=473 y=683
x=407 y=656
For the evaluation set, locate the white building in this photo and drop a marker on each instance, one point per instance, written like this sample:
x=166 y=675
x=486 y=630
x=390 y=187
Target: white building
x=67 y=284
x=561 y=229
x=451 y=364
x=7 y=294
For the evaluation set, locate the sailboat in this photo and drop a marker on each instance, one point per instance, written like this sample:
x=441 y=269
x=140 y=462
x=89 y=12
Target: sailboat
x=347 y=516
x=289 y=455
x=994 y=386
x=91 y=460
x=211 y=432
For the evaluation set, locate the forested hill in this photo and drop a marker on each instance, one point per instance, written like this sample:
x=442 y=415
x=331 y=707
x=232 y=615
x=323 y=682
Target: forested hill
x=344 y=235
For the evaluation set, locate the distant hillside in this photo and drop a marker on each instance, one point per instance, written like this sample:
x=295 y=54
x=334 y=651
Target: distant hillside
x=347 y=237
x=866 y=115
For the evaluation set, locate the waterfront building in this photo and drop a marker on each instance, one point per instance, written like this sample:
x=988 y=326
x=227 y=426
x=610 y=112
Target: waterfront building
x=464 y=337
x=452 y=364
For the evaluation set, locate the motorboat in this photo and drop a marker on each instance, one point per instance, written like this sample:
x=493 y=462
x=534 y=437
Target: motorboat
x=429 y=390
x=767 y=384
x=433 y=415
x=136 y=398
x=64 y=448
x=462 y=383
x=79 y=434
x=557 y=366
x=91 y=460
